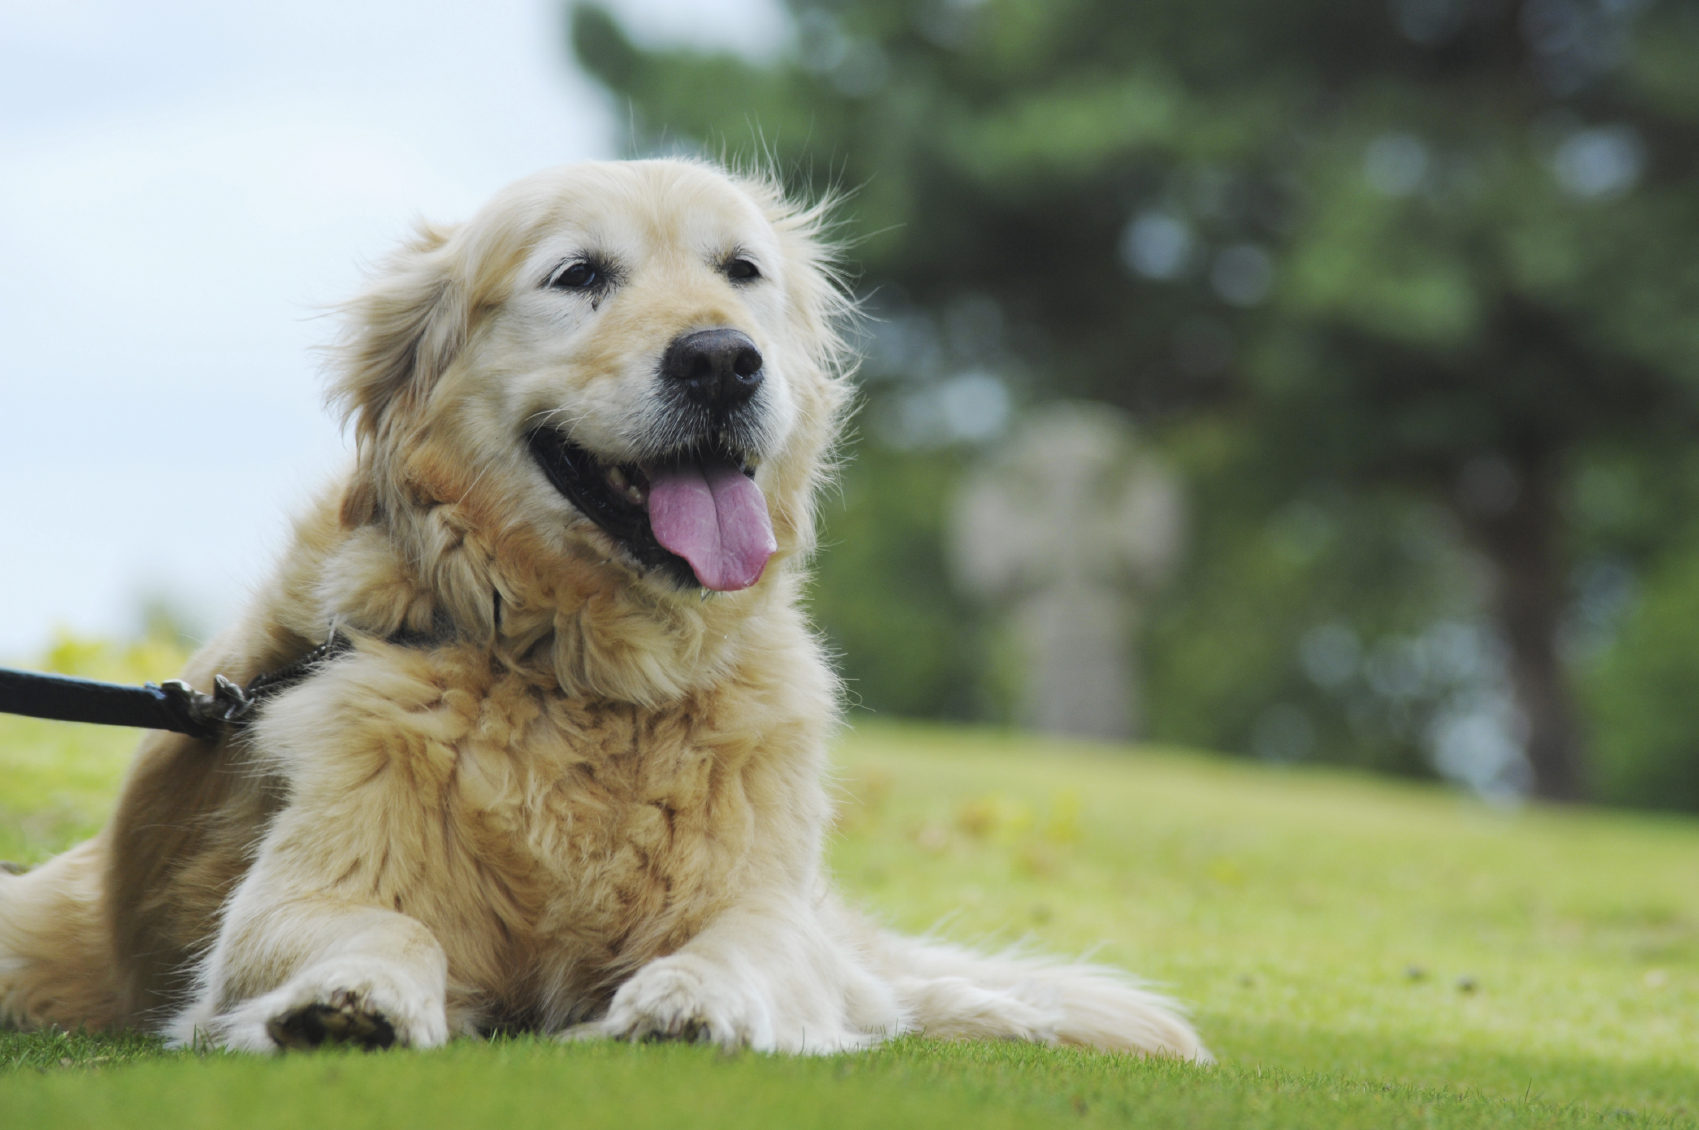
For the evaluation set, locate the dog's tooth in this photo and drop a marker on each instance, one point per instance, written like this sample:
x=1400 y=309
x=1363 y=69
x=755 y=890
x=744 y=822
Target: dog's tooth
x=620 y=483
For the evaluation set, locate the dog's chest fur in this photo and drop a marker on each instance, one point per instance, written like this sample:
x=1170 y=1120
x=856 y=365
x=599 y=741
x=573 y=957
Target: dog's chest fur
x=553 y=844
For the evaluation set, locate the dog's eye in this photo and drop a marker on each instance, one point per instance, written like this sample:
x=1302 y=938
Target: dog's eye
x=739 y=269
x=577 y=274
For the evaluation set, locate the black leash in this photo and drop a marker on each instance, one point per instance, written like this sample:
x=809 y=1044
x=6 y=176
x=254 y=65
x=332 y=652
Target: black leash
x=173 y=705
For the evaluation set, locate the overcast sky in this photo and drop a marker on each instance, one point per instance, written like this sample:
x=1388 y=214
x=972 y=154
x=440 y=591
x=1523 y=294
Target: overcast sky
x=184 y=186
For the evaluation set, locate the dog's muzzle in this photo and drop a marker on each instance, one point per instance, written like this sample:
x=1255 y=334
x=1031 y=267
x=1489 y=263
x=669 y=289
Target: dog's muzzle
x=693 y=509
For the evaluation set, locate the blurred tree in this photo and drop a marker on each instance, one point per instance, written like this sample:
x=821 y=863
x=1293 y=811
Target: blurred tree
x=1437 y=248
x=1326 y=624
x=1641 y=695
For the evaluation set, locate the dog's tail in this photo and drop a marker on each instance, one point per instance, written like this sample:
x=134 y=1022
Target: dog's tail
x=956 y=993
x=56 y=962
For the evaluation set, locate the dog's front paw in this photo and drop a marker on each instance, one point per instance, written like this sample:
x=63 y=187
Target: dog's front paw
x=679 y=998
x=344 y=1019
x=364 y=1004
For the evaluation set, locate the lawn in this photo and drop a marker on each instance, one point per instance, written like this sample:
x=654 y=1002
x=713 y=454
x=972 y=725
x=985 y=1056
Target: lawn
x=1357 y=953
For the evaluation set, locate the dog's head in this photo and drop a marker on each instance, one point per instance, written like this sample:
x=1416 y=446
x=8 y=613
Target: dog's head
x=633 y=369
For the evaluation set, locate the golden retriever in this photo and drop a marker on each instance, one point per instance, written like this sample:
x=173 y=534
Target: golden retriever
x=569 y=777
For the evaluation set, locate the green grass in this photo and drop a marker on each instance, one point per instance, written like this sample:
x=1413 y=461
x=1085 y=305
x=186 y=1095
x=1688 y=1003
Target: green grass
x=1357 y=953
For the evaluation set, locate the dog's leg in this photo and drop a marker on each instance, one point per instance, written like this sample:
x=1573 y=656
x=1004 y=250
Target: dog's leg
x=295 y=968
x=55 y=949
x=773 y=975
x=818 y=978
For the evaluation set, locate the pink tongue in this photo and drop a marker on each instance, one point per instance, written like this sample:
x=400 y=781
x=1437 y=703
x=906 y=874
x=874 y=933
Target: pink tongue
x=714 y=517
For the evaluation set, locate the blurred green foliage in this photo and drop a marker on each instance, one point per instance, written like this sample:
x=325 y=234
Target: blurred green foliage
x=1641 y=696
x=1298 y=631
x=880 y=578
x=1407 y=289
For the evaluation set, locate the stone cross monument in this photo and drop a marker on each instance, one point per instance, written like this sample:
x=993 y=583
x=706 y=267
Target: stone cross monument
x=1070 y=528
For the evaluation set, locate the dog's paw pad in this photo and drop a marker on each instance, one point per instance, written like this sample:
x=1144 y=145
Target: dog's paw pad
x=341 y=1020
x=692 y=1030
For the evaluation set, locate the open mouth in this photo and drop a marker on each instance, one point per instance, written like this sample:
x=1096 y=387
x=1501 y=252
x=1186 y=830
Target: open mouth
x=696 y=514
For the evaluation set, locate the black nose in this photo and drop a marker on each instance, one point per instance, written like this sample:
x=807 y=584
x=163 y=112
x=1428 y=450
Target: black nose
x=718 y=368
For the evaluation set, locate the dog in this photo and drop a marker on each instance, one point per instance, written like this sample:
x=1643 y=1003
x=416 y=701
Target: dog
x=568 y=773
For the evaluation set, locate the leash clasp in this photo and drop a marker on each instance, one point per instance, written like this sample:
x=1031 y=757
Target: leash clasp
x=228 y=704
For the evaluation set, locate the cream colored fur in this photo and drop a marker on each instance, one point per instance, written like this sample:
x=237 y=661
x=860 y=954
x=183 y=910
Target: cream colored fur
x=547 y=788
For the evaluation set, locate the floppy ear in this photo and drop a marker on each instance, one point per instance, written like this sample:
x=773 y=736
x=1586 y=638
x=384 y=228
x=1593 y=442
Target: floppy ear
x=402 y=332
